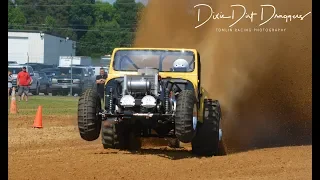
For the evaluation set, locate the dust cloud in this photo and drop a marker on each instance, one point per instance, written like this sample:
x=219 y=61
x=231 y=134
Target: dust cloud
x=262 y=79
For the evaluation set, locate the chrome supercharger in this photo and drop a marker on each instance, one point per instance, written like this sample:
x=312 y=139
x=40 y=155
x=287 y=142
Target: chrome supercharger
x=140 y=91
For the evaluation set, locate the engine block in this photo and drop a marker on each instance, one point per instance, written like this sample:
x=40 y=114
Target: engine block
x=146 y=82
x=145 y=86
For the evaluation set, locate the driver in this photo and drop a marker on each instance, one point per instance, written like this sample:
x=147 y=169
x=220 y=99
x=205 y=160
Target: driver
x=180 y=65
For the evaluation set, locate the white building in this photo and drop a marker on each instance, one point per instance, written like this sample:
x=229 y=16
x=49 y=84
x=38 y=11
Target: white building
x=38 y=47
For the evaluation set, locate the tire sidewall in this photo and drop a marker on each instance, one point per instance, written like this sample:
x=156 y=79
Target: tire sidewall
x=89 y=124
x=186 y=137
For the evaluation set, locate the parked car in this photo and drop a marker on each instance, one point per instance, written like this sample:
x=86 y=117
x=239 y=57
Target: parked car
x=82 y=78
x=39 y=66
x=45 y=82
x=15 y=69
x=51 y=72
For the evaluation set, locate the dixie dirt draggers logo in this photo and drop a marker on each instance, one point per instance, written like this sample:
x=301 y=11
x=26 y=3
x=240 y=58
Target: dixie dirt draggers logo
x=239 y=12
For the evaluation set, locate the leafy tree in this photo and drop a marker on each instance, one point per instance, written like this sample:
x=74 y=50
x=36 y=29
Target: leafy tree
x=51 y=23
x=81 y=16
x=127 y=11
x=104 y=35
x=33 y=13
x=16 y=17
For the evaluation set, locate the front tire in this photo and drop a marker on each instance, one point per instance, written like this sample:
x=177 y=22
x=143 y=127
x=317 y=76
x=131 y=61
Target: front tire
x=207 y=141
x=119 y=136
x=184 y=116
x=112 y=136
x=37 y=91
x=89 y=121
x=54 y=93
x=46 y=92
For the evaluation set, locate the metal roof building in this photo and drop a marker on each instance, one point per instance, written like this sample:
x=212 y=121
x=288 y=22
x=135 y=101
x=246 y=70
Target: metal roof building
x=38 y=47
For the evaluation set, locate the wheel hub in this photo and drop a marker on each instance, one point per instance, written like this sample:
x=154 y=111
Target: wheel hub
x=195 y=121
x=220 y=134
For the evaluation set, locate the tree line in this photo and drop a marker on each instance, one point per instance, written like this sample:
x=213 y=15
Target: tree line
x=98 y=27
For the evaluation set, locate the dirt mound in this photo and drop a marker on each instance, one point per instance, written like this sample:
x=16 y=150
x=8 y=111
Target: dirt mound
x=263 y=79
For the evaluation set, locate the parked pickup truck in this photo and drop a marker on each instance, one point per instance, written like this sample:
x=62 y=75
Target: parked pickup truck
x=15 y=69
x=82 y=78
x=50 y=72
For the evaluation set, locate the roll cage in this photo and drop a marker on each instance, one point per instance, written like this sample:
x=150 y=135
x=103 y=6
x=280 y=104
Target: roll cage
x=161 y=59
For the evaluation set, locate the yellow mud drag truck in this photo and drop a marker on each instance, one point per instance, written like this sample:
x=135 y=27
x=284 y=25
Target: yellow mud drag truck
x=152 y=92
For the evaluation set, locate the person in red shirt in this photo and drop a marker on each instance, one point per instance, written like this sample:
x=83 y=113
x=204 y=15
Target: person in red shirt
x=23 y=81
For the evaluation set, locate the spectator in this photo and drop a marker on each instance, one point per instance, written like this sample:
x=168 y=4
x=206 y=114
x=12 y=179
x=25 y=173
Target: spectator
x=100 y=80
x=9 y=82
x=23 y=81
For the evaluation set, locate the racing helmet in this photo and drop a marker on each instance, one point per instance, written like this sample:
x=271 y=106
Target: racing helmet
x=180 y=65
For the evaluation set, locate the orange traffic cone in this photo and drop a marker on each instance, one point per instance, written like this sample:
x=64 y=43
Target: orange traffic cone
x=13 y=105
x=38 y=120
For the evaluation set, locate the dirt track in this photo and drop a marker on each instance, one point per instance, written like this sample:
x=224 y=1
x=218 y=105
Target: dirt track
x=57 y=152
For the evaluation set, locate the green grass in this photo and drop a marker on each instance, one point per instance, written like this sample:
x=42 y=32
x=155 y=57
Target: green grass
x=51 y=105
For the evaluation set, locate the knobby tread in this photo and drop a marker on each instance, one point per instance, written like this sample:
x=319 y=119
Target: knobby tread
x=118 y=136
x=184 y=116
x=206 y=141
x=89 y=124
x=112 y=136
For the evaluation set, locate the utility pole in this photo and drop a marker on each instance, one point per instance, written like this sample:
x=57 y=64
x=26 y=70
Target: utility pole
x=27 y=59
x=71 y=83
